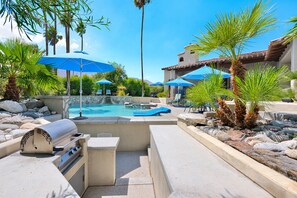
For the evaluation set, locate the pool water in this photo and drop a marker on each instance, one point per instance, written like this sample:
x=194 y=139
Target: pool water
x=101 y=110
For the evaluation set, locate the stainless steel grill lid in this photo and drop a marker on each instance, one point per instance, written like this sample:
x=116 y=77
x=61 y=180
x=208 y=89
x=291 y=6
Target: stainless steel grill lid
x=48 y=138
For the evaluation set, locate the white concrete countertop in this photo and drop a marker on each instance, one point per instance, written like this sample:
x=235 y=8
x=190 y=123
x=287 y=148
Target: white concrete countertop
x=32 y=176
x=103 y=143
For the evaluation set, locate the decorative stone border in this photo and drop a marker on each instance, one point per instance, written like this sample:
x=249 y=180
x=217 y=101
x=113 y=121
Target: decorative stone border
x=272 y=181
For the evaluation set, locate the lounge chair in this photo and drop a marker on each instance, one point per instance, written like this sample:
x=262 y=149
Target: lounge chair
x=152 y=112
x=108 y=92
x=176 y=99
x=99 y=92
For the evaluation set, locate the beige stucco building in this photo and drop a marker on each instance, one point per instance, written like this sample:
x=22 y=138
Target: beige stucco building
x=277 y=54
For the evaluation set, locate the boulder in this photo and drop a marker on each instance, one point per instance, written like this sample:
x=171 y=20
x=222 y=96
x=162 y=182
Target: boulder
x=41 y=121
x=8 y=126
x=222 y=136
x=291 y=153
x=274 y=136
x=23 y=106
x=34 y=104
x=277 y=123
x=32 y=114
x=11 y=106
x=18 y=132
x=192 y=119
x=4 y=115
x=257 y=138
x=269 y=146
x=235 y=135
x=43 y=109
x=29 y=126
x=289 y=131
x=253 y=142
x=210 y=123
x=290 y=144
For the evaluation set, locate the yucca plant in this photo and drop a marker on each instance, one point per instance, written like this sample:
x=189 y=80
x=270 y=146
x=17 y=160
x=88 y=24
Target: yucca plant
x=228 y=36
x=260 y=84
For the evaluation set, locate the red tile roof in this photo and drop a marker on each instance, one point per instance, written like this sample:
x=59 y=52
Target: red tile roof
x=244 y=58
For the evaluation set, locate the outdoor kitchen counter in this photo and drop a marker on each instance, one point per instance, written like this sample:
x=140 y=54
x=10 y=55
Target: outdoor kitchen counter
x=31 y=176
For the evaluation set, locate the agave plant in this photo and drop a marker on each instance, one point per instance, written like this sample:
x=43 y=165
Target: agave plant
x=260 y=84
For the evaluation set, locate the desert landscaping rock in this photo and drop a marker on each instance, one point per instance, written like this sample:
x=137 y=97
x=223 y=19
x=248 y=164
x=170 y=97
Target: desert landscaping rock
x=32 y=114
x=291 y=153
x=289 y=131
x=277 y=123
x=8 y=126
x=257 y=139
x=43 y=109
x=23 y=106
x=41 y=121
x=222 y=136
x=11 y=106
x=18 y=132
x=29 y=126
x=34 y=104
x=290 y=144
x=4 y=115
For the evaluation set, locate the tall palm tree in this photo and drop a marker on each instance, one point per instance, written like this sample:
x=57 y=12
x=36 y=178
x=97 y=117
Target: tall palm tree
x=81 y=30
x=140 y=4
x=292 y=33
x=83 y=23
x=228 y=36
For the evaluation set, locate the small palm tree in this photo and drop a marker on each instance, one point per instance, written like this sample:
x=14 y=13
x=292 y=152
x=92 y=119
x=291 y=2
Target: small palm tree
x=292 y=33
x=260 y=84
x=228 y=36
x=19 y=65
x=140 y=4
x=210 y=92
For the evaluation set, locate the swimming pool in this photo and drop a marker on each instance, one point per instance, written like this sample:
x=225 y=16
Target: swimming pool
x=101 y=110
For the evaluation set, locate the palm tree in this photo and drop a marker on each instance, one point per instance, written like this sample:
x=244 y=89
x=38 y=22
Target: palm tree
x=81 y=26
x=140 y=4
x=53 y=37
x=209 y=92
x=19 y=65
x=81 y=30
x=292 y=33
x=260 y=84
x=228 y=36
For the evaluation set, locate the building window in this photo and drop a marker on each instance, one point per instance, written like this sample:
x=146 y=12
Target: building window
x=181 y=59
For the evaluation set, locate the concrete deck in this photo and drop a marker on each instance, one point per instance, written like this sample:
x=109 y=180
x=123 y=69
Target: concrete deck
x=192 y=170
x=133 y=178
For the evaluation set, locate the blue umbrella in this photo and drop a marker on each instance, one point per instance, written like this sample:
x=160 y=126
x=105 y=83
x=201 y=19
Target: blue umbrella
x=104 y=82
x=76 y=61
x=179 y=82
x=203 y=72
x=156 y=84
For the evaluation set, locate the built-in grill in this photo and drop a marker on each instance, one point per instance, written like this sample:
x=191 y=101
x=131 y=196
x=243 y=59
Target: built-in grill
x=57 y=138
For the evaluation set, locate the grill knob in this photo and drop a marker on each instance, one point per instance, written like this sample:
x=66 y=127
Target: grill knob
x=71 y=152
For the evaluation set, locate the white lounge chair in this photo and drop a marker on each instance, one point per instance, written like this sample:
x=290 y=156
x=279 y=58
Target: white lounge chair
x=108 y=92
x=99 y=92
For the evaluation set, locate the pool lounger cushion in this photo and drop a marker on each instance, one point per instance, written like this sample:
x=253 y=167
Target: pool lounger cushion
x=152 y=112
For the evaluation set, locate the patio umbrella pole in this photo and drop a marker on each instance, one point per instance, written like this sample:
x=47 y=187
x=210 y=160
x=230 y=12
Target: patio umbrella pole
x=80 y=90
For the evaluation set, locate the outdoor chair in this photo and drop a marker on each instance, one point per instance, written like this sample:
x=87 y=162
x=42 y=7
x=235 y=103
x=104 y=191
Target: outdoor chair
x=176 y=99
x=99 y=92
x=108 y=92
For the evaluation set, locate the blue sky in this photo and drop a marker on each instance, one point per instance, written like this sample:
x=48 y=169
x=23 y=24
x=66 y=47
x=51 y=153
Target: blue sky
x=169 y=26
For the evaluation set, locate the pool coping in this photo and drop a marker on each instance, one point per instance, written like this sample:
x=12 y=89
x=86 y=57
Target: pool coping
x=127 y=120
